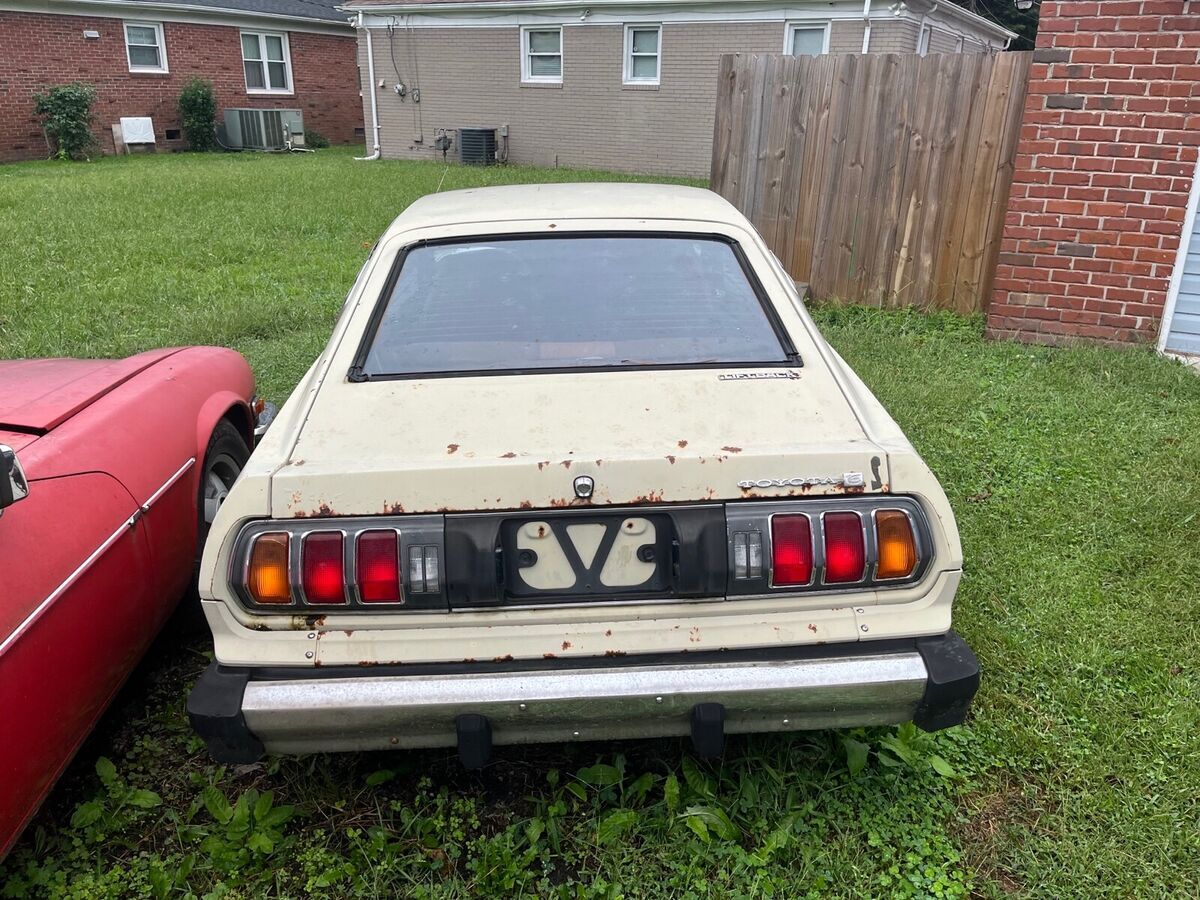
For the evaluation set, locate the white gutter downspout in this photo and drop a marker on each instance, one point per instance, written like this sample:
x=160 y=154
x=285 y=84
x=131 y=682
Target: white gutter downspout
x=374 y=108
x=866 y=25
x=921 y=27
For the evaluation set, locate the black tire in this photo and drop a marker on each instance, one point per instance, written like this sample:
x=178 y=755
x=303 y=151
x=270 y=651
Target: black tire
x=224 y=460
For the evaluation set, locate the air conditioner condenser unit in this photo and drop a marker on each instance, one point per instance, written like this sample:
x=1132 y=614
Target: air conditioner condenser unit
x=263 y=129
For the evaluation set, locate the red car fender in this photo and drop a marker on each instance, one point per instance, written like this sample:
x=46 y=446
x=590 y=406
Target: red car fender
x=223 y=405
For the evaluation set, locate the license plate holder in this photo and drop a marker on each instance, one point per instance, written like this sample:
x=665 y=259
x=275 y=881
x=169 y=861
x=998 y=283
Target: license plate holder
x=610 y=556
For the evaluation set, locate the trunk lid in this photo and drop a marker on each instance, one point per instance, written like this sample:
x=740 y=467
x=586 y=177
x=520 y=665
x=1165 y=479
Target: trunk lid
x=521 y=441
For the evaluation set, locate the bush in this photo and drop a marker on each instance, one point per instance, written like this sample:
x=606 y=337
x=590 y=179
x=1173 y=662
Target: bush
x=66 y=114
x=198 y=114
x=314 y=140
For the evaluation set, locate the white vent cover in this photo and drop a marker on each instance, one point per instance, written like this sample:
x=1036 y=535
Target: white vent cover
x=137 y=130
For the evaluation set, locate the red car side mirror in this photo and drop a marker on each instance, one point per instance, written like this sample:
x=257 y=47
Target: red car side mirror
x=13 y=486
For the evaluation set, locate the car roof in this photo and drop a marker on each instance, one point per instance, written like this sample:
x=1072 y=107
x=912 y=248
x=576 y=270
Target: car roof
x=590 y=200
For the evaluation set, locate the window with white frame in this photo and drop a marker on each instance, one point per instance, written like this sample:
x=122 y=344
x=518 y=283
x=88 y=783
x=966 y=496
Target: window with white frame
x=144 y=47
x=267 y=62
x=923 y=40
x=541 y=55
x=807 y=40
x=642 y=52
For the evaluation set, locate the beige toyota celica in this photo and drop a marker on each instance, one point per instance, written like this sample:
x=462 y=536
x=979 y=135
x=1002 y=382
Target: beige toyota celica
x=576 y=464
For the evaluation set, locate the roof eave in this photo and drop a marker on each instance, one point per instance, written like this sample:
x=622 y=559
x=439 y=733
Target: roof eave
x=412 y=6
x=196 y=8
x=962 y=13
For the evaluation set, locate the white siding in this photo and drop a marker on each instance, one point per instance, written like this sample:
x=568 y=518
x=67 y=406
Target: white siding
x=1184 y=333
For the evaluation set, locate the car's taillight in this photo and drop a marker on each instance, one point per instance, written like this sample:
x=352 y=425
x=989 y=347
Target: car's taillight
x=352 y=563
x=825 y=544
x=378 y=564
x=267 y=571
x=323 y=568
x=897 y=544
x=845 y=549
x=791 y=550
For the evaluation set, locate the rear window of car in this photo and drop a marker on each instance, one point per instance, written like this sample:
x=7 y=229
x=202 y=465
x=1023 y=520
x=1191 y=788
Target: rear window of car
x=519 y=304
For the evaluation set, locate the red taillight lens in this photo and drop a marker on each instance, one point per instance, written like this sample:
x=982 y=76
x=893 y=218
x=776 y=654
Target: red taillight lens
x=378 y=567
x=791 y=550
x=323 y=571
x=845 y=553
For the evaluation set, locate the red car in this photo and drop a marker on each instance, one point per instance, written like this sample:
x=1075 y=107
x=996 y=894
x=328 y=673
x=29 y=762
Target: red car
x=110 y=471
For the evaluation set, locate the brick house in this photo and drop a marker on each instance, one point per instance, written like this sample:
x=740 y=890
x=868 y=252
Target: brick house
x=1101 y=239
x=295 y=54
x=620 y=84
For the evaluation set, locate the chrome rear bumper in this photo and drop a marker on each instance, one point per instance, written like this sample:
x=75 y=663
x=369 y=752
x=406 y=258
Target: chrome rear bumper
x=242 y=713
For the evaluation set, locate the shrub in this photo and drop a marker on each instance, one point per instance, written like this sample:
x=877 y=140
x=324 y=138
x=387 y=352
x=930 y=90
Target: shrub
x=66 y=114
x=314 y=140
x=198 y=114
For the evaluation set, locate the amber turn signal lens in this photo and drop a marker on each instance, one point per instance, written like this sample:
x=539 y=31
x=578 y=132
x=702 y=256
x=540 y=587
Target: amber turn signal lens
x=267 y=575
x=897 y=546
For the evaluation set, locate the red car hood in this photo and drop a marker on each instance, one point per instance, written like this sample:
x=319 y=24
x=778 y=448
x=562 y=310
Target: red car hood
x=15 y=439
x=36 y=395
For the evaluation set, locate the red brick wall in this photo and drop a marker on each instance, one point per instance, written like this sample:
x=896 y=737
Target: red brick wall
x=37 y=51
x=1104 y=167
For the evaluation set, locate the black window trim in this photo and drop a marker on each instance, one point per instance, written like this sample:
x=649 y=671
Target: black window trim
x=357 y=375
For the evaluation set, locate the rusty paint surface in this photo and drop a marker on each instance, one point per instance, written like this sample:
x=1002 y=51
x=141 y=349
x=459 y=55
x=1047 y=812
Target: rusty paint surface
x=357 y=452
x=634 y=455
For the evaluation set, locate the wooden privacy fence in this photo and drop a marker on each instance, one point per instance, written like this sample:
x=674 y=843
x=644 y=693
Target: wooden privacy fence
x=878 y=179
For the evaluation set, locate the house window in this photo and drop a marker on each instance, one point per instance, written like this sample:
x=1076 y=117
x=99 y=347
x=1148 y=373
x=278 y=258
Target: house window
x=541 y=55
x=807 y=40
x=144 y=47
x=642 y=43
x=923 y=40
x=267 y=62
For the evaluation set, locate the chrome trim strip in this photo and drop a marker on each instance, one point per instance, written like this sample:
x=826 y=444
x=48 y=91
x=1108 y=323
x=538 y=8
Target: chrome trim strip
x=167 y=485
x=142 y=509
x=563 y=704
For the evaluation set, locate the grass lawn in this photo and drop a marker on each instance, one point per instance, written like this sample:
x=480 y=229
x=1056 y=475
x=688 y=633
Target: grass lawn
x=1074 y=475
